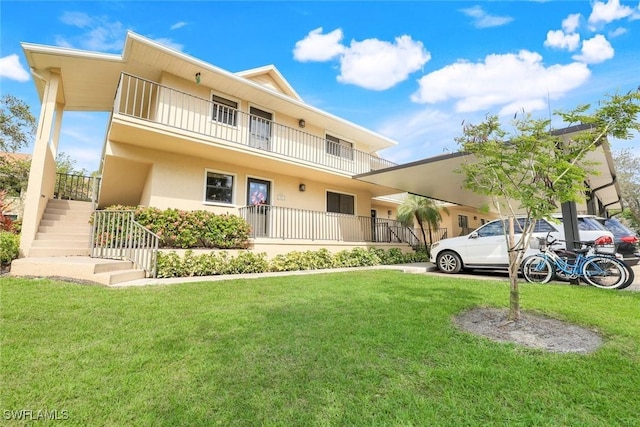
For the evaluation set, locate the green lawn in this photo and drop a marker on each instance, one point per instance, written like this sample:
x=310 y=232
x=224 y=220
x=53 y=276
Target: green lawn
x=360 y=348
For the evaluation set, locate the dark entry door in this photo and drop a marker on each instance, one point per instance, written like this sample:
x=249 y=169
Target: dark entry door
x=259 y=198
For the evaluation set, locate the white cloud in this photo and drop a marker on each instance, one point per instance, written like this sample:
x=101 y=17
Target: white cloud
x=423 y=133
x=76 y=19
x=319 y=47
x=178 y=25
x=11 y=68
x=379 y=65
x=509 y=81
x=482 y=19
x=608 y=12
x=595 y=50
x=100 y=34
x=558 y=39
x=571 y=23
x=371 y=63
x=617 y=32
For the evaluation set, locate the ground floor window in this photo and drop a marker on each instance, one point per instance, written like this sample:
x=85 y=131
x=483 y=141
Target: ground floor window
x=340 y=203
x=219 y=187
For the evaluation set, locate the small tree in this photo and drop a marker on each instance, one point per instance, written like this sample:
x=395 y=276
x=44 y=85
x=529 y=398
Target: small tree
x=424 y=210
x=532 y=171
x=17 y=129
x=628 y=176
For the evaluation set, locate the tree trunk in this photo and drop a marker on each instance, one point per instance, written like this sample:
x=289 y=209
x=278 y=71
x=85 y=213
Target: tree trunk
x=424 y=236
x=514 y=291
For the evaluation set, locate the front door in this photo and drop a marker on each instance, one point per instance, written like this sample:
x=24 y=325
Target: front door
x=259 y=199
x=260 y=129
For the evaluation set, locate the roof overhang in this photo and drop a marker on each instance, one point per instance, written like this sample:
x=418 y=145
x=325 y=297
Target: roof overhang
x=436 y=178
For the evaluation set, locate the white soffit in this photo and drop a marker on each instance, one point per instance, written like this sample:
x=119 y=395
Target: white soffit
x=436 y=178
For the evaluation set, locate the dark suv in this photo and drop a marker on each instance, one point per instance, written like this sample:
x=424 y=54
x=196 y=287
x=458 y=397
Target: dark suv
x=625 y=239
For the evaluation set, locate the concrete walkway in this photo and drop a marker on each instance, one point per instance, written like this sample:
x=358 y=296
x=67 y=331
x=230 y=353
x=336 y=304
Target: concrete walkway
x=413 y=268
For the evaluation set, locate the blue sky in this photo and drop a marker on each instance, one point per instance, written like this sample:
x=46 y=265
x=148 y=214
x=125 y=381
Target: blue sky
x=412 y=71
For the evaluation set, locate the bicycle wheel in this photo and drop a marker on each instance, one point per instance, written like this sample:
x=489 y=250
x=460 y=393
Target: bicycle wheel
x=603 y=272
x=631 y=276
x=537 y=269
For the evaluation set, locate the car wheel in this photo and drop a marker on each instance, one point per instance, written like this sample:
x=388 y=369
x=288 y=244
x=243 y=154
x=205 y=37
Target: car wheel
x=449 y=262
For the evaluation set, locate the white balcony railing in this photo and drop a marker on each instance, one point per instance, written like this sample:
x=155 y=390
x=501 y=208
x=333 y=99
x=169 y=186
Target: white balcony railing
x=163 y=105
x=278 y=222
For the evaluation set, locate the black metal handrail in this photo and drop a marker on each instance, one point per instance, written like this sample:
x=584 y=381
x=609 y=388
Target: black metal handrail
x=76 y=187
x=147 y=100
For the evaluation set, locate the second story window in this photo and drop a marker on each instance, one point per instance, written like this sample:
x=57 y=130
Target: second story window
x=224 y=110
x=339 y=147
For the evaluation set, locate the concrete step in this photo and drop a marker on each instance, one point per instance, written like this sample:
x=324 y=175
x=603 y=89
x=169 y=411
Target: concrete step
x=58 y=252
x=61 y=244
x=71 y=214
x=61 y=223
x=65 y=229
x=69 y=204
x=103 y=271
x=120 y=276
x=75 y=236
x=67 y=217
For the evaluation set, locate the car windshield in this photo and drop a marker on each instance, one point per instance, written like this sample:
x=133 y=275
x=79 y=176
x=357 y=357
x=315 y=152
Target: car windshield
x=496 y=228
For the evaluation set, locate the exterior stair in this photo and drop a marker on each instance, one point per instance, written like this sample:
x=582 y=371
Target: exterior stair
x=64 y=230
x=61 y=248
x=95 y=270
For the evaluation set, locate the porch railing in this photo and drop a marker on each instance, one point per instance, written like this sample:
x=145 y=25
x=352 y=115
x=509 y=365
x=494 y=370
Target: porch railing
x=116 y=235
x=76 y=187
x=146 y=100
x=278 y=222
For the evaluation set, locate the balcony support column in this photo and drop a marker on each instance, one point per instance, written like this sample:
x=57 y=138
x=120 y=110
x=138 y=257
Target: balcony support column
x=42 y=174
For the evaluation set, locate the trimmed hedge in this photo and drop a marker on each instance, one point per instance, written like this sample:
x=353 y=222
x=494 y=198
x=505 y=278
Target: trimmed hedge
x=192 y=229
x=210 y=264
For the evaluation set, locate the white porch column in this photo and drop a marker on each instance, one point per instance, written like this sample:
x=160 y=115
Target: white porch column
x=42 y=175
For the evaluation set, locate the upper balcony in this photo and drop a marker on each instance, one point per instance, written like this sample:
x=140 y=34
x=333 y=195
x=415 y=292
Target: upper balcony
x=220 y=124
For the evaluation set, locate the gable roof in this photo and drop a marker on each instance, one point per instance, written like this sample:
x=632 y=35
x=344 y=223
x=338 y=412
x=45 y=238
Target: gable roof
x=270 y=77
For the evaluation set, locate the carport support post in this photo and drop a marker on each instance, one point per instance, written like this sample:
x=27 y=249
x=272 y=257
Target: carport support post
x=571 y=233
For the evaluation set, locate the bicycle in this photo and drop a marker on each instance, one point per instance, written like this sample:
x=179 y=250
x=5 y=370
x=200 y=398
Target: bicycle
x=600 y=270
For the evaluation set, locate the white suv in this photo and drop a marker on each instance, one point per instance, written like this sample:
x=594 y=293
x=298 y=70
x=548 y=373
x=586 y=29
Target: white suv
x=486 y=247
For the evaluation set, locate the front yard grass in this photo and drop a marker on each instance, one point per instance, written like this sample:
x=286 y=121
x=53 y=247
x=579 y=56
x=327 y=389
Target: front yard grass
x=359 y=348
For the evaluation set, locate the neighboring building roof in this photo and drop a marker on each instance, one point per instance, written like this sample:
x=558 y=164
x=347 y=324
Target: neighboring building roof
x=15 y=156
x=90 y=79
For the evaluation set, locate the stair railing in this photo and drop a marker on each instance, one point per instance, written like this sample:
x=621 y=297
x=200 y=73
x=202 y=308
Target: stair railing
x=116 y=235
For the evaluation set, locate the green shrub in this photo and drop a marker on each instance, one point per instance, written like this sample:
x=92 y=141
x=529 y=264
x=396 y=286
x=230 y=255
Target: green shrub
x=9 y=247
x=192 y=229
x=214 y=263
x=307 y=260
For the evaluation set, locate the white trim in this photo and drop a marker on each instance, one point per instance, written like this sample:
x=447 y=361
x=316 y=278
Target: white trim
x=234 y=188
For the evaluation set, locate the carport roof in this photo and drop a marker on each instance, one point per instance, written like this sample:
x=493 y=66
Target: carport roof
x=435 y=177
